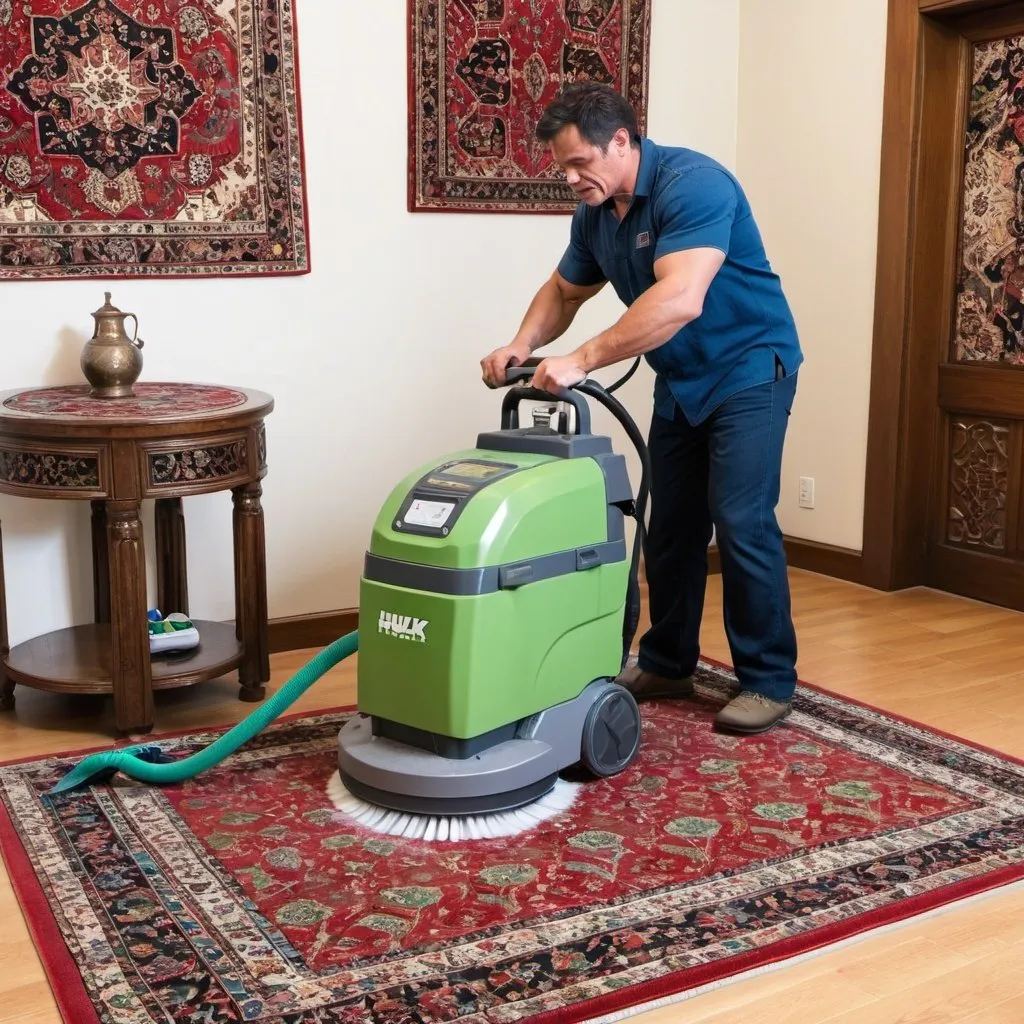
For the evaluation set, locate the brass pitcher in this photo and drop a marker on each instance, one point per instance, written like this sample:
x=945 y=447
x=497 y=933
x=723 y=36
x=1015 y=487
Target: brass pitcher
x=111 y=361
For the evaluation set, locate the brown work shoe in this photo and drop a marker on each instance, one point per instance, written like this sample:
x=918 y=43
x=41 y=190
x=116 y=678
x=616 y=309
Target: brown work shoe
x=751 y=712
x=648 y=686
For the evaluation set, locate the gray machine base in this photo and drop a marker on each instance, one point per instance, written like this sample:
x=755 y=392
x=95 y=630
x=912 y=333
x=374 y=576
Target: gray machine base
x=507 y=775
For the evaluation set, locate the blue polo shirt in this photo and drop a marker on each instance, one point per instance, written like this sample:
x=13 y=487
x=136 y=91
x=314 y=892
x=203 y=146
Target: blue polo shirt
x=685 y=200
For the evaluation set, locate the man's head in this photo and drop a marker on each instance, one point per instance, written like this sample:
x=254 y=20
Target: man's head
x=592 y=133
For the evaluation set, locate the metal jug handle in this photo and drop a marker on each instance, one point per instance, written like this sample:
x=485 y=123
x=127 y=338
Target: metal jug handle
x=136 y=340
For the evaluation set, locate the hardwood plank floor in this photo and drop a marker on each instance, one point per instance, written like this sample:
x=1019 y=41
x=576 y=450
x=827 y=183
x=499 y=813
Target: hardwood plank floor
x=951 y=663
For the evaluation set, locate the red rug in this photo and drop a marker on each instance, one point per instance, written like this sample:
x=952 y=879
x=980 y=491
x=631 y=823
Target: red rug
x=157 y=138
x=244 y=896
x=481 y=73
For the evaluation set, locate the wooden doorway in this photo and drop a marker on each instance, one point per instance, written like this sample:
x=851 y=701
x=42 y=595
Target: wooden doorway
x=945 y=483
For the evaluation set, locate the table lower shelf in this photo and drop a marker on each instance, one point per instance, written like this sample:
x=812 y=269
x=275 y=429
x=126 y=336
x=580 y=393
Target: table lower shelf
x=77 y=659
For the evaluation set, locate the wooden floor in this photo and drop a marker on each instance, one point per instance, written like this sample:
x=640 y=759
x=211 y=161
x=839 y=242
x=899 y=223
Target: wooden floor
x=947 y=662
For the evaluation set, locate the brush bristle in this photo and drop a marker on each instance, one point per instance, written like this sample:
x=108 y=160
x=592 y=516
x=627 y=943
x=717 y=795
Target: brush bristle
x=451 y=828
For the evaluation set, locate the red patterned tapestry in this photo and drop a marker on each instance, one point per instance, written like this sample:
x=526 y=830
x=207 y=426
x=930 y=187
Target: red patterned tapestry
x=481 y=73
x=244 y=895
x=989 y=323
x=150 y=137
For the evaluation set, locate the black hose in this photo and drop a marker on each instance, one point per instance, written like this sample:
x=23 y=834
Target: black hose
x=639 y=511
x=622 y=380
x=618 y=410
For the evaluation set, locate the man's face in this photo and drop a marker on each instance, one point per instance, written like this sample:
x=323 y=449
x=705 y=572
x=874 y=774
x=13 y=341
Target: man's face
x=592 y=174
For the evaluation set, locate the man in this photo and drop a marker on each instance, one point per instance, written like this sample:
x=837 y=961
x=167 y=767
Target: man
x=673 y=232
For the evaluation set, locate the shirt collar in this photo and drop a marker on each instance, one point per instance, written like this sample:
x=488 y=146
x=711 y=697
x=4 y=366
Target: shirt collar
x=644 y=173
x=648 y=167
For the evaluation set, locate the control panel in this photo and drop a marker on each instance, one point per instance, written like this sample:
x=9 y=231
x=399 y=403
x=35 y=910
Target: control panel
x=438 y=498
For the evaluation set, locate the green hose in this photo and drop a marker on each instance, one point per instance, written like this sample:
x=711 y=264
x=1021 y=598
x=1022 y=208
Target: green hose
x=150 y=764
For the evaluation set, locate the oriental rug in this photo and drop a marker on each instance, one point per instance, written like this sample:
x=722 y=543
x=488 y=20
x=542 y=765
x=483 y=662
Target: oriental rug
x=481 y=73
x=243 y=895
x=150 y=137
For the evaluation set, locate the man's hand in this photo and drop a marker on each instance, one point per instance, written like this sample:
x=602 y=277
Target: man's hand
x=558 y=372
x=550 y=314
x=495 y=364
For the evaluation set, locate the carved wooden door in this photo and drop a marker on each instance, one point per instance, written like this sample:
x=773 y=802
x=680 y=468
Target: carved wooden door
x=973 y=282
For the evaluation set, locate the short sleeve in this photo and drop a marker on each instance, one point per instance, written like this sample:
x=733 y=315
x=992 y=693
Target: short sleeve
x=578 y=265
x=695 y=211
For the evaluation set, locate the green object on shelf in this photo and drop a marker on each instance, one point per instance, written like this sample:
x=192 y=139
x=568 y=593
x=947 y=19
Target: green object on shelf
x=174 y=622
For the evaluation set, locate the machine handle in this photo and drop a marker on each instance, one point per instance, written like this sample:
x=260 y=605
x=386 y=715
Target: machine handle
x=521 y=392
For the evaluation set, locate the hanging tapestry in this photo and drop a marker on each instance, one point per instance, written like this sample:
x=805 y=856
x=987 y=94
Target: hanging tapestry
x=156 y=138
x=482 y=72
x=989 y=323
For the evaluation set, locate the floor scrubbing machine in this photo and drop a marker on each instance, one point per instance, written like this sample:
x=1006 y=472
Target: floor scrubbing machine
x=498 y=603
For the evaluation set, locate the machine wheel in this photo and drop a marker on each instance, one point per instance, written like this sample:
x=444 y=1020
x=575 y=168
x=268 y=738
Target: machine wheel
x=611 y=733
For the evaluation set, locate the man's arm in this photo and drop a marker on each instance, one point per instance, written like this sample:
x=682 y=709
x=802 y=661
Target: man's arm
x=577 y=277
x=549 y=315
x=694 y=220
x=676 y=298
x=552 y=311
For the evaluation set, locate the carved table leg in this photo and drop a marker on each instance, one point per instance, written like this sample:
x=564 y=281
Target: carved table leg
x=251 y=589
x=171 y=572
x=129 y=636
x=236 y=521
x=7 y=688
x=100 y=566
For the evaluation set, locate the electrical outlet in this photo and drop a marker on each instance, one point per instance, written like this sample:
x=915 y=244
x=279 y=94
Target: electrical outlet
x=806 y=498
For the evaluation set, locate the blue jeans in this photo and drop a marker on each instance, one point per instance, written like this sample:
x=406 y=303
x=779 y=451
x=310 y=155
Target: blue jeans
x=723 y=473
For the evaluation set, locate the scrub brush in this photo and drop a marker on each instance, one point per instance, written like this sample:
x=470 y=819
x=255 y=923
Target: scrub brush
x=433 y=828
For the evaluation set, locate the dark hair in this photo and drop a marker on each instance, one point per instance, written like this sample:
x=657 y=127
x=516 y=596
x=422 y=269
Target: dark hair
x=598 y=111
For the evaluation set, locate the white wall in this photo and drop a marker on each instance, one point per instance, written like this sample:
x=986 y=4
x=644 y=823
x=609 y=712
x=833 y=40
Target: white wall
x=373 y=358
x=810 y=128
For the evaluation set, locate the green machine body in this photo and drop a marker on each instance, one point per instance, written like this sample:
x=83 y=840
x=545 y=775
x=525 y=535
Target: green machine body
x=494 y=589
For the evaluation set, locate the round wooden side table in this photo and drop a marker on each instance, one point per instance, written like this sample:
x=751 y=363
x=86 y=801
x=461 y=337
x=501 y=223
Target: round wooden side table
x=166 y=442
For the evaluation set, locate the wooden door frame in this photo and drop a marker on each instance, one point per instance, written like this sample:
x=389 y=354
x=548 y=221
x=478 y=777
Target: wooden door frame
x=904 y=368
